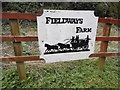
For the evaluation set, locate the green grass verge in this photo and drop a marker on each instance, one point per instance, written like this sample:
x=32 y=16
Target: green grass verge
x=73 y=74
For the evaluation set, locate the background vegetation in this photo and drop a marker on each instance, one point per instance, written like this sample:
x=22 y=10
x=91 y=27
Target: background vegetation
x=72 y=74
x=102 y=9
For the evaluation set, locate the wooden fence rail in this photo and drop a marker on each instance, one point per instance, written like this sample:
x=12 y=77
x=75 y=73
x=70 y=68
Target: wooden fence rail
x=35 y=38
x=34 y=58
x=17 y=39
x=33 y=17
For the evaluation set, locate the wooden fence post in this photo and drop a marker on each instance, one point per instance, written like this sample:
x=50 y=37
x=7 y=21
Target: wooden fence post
x=14 y=25
x=104 y=45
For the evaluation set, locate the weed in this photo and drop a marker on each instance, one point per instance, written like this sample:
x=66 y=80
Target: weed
x=72 y=74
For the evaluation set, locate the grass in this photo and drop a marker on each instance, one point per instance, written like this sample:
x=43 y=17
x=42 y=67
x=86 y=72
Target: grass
x=72 y=74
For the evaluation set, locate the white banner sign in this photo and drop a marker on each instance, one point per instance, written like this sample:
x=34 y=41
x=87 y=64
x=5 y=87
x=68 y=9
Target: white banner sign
x=66 y=35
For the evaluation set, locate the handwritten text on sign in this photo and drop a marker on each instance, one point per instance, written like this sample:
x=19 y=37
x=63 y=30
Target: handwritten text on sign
x=66 y=35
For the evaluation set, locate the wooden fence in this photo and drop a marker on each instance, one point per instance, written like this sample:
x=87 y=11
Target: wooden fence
x=17 y=39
